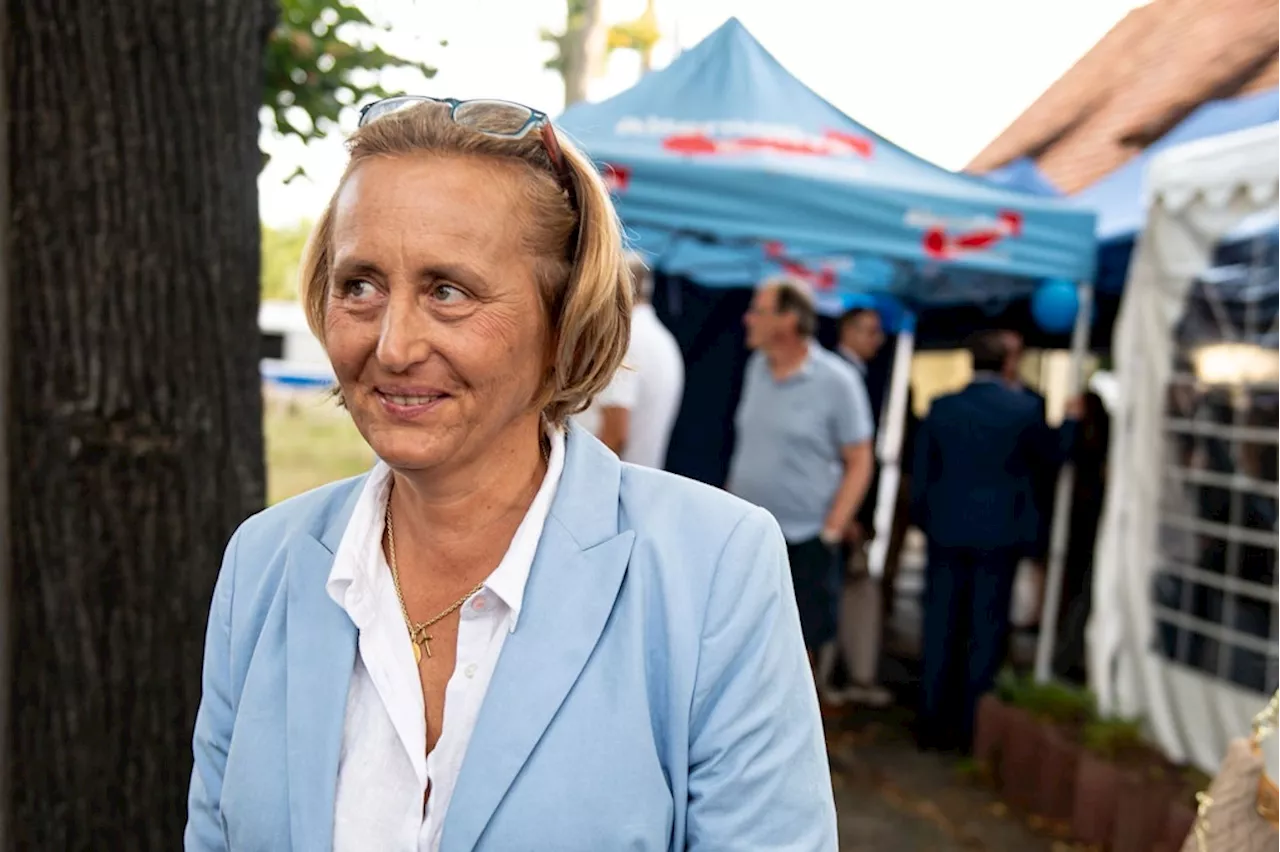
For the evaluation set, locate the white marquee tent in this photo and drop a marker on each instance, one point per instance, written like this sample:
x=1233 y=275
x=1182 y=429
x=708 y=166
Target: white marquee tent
x=1183 y=628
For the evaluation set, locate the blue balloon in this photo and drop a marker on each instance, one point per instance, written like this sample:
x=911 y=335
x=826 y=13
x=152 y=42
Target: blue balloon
x=1054 y=305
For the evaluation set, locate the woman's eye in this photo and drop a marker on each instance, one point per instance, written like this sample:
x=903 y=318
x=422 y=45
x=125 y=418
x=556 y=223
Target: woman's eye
x=448 y=293
x=357 y=288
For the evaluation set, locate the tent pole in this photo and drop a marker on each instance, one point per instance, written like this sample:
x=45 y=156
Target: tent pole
x=1062 y=501
x=890 y=434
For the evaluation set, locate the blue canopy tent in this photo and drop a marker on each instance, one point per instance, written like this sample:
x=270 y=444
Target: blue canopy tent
x=1119 y=198
x=726 y=169
x=1023 y=175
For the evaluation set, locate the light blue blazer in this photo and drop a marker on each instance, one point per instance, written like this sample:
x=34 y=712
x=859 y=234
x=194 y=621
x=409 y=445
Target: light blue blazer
x=655 y=696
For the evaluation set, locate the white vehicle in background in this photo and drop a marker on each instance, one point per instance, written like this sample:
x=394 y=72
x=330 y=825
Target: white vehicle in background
x=292 y=358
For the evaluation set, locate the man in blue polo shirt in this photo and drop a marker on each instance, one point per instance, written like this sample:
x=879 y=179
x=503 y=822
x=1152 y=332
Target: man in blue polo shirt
x=803 y=448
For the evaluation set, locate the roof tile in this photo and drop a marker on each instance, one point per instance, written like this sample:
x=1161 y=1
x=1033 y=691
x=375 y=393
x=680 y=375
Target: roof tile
x=1144 y=76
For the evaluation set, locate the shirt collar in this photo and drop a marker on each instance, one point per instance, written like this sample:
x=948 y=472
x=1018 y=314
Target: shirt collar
x=803 y=371
x=359 y=569
x=357 y=573
x=807 y=367
x=852 y=358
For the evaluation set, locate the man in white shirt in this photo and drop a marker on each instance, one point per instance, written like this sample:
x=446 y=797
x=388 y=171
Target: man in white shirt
x=634 y=415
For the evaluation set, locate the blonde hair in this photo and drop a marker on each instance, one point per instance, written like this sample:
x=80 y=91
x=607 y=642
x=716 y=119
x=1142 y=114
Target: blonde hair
x=641 y=277
x=581 y=272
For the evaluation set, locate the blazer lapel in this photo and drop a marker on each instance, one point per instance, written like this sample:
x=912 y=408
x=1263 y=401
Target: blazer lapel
x=320 y=654
x=573 y=584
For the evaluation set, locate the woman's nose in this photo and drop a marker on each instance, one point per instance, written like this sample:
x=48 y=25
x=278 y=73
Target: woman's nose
x=404 y=338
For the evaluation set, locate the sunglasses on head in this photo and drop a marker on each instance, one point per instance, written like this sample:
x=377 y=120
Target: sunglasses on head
x=502 y=119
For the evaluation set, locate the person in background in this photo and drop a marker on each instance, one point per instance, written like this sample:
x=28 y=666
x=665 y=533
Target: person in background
x=1044 y=481
x=861 y=608
x=634 y=415
x=976 y=457
x=1089 y=487
x=861 y=339
x=803 y=447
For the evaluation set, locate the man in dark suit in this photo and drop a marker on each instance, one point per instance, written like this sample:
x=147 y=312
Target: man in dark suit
x=861 y=337
x=973 y=495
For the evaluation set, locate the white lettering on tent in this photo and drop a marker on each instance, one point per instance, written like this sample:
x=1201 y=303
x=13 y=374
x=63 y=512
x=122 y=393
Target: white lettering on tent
x=653 y=125
x=925 y=219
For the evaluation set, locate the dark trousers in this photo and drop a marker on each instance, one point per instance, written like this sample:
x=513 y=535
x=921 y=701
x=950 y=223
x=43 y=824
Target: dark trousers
x=816 y=575
x=1077 y=587
x=966 y=631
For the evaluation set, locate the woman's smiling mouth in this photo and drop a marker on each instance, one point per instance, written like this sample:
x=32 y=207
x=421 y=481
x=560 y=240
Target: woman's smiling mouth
x=409 y=402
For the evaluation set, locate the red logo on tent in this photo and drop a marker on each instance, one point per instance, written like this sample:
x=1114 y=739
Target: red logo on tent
x=616 y=178
x=822 y=278
x=943 y=239
x=863 y=146
x=831 y=144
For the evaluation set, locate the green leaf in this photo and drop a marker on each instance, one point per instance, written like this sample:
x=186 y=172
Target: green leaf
x=321 y=58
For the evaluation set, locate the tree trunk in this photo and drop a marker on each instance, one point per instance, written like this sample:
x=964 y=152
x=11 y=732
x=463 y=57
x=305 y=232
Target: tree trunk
x=646 y=51
x=582 y=50
x=134 y=413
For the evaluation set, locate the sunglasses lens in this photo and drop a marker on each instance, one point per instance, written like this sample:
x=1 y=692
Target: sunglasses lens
x=386 y=106
x=500 y=118
x=494 y=118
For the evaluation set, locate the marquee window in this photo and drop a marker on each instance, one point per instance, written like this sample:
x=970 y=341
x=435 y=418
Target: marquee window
x=1215 y=593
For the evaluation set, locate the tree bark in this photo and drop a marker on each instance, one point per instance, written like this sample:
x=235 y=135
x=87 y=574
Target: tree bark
x=134 y=413
x=6 y=534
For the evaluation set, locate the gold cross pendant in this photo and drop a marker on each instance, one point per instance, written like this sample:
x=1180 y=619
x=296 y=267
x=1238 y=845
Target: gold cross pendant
x=421 y=644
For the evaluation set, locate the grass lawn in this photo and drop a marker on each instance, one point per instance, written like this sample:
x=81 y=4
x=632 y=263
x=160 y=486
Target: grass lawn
x=310 y=441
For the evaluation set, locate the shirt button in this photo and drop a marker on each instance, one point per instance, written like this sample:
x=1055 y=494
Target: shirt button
x=470 y=670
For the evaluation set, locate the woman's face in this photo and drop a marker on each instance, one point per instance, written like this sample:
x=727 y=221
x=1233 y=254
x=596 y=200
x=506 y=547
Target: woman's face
x=434 y=322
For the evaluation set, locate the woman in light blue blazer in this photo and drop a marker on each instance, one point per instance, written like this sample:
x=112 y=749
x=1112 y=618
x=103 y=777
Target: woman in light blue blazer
x=501 y=638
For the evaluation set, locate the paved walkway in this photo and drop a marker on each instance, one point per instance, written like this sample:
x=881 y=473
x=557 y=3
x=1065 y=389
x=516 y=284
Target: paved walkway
x=892 y=797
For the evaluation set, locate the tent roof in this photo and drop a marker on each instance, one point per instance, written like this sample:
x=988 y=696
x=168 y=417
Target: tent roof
x=1218 y=168
x=1120 y=199
x=724 y=147
x=1023 y=175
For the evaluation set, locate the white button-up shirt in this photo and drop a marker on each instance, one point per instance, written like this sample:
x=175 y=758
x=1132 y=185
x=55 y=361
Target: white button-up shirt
x=383 y=768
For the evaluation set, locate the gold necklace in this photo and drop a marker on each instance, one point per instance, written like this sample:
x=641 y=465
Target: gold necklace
x=418 y=634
